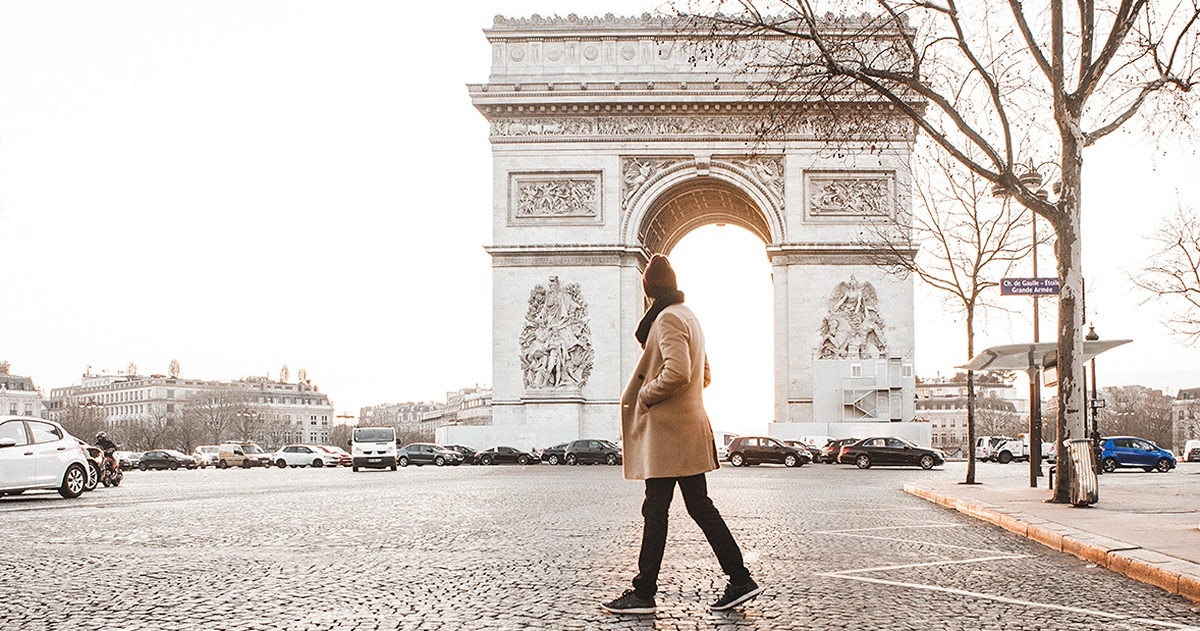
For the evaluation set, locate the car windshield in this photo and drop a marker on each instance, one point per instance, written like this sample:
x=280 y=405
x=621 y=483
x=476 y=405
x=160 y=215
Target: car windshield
x=374 y=435
x=252 y=449
x=172 y=452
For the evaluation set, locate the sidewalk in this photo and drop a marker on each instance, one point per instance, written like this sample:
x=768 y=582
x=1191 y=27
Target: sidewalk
x=1145 y=525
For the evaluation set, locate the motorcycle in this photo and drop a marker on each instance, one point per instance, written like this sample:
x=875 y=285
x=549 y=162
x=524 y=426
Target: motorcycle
x=110 y=469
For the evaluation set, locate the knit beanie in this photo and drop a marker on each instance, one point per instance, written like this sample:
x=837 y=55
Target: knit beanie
x=659 y=278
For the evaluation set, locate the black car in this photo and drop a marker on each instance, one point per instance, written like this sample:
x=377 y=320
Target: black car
x=166 y=459
x=890 y=451
x=555 y=454
x=505 y=455
x=814 y=452
x=833 y=448
x=468 y=453
x=427 y=453
x=591 y=451
x=747 y=450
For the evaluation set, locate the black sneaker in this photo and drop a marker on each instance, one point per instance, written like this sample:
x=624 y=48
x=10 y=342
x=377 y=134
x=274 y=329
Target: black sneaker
x=736 y=595
x=630 y=602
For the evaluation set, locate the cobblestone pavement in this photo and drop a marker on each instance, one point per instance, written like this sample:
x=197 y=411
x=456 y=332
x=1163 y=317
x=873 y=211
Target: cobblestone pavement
x=533 y=547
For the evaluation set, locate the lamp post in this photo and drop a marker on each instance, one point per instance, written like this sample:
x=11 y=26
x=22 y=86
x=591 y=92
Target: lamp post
x=1095 y=404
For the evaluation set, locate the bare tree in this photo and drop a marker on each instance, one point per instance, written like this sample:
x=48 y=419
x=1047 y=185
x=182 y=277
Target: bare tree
x=151 y=430
x=967 y=241
x=339 y=436
x=1172 y=273
x=1137 y=411
x=82 y=420
x=216 y=412
x=992 y=84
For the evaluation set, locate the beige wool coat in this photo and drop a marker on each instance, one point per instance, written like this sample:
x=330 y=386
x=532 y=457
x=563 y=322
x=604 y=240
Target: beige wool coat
x=664 y=428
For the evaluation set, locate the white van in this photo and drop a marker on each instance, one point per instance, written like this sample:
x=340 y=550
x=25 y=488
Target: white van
x=373 y=447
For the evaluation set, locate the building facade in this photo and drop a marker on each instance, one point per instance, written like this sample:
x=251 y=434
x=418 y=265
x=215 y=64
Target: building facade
x=467 y=407
x=18 y=396
x=276 y=412
x=1185 y=418
x=1000 y=409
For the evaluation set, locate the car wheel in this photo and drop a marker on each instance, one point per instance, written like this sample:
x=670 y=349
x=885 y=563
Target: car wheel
x=142 y=466
x=73 y=481
x=522 y=460
x=863 y=461
x=174 y=465
x=737 y=460
x=572 y=460
x=220 y=465
x=1164 y=465
x=403 y=461
x=439 y=461
x=926 y=462
x=486 y=460
x=610 y=459
x=1005 y=457
x=789 y=460
x=281 y=463
x=318 y=463
x=553 y=459
x=1109 y=465
x=354 y=468
x=93 y=478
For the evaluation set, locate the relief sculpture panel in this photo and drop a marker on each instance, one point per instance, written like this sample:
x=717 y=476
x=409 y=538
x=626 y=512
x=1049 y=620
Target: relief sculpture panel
x=556 y=346
x=850 y=196
x=853 y=328
x=563 y=196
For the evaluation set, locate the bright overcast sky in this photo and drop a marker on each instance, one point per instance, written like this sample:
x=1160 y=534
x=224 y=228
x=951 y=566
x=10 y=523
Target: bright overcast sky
x=245 y=184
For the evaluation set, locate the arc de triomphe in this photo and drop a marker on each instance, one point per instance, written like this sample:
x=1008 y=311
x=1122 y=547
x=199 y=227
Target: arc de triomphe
x=610 y=144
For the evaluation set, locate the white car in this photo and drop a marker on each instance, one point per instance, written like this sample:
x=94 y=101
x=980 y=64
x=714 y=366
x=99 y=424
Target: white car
x=40 y=454
x=304 y=456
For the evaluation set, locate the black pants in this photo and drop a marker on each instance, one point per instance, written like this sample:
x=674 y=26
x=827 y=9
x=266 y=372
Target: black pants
x=659 y=492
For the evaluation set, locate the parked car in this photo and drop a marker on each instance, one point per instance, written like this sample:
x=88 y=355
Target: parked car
x=505 y=455
x=243 y=455
x=207 y=455
x=814 y=452
x=555 y=454
x=890 y=451
x=166 y=459
x=1131 y=451
x=468 y=453
x=40 y=454
x=304 y=456
x=427 y=453
x=125 y=459
x=591 y=451
x=832 y=449
x=344 y=458
x=747 y=450
x=1193 y=454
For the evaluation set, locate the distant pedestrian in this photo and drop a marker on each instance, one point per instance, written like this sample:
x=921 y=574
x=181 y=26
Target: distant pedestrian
x=668 y=441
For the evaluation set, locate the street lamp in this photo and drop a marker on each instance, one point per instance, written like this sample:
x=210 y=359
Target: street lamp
x=1095 y=404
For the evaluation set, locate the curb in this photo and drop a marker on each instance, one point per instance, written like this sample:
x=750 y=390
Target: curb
x=1147 y=566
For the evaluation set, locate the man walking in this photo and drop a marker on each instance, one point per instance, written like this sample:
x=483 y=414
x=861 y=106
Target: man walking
x=668 y=441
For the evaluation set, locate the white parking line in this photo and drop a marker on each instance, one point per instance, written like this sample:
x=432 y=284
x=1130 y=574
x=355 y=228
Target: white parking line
x=851 y=575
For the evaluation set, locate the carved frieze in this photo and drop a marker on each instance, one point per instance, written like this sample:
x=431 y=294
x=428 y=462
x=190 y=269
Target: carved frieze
x=636 y=172
x=767 y=170
x=853 y=328
x=850 y=196
x=570 y=196
x=872 y=127
x=556 y=347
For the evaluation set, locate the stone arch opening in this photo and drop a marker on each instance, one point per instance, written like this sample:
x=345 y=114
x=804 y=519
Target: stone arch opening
x=695 y=202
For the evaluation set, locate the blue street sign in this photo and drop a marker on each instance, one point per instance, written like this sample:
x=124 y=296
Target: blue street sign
x=1029 y=287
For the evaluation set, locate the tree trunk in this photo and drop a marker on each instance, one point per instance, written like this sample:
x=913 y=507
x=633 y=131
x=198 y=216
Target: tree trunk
x=970 y=397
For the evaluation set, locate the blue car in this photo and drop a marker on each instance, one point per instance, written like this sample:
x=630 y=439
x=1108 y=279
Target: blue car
x=1130 y=451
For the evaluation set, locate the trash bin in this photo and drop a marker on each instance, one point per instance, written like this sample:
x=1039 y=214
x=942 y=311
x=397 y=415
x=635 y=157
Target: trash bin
x=1084 y=485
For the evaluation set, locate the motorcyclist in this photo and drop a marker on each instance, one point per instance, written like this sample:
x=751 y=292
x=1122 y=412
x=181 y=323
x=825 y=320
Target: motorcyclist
x=105 y=443
x=109 y=448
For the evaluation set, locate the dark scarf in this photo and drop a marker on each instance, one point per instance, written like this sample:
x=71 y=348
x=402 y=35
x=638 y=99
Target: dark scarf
x=662 y=302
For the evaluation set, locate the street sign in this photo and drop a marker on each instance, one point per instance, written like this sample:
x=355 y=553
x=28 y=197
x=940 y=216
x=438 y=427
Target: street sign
x=1029 y=287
